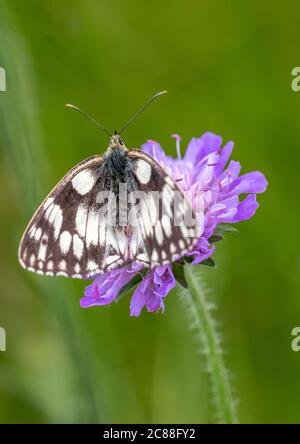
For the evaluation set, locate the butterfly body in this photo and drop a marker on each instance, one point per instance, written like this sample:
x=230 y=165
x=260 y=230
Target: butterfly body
x=117 y=167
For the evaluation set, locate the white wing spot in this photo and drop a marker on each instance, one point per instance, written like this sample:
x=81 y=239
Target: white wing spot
x=48 y=202
x=91 y=236
x=31 y=232
x=49 y=210
x=38 y=234
x=65 y=242
x=77 y=246
x=83 y=182
x=146 y=223
x=166 y=224
x=43 y=248
x=143 y=171
x=62 y=265
x=91 y=265
x=167 y=197
x=184 y=230
x=80 y=220
x=172 y=247
x=61 y=273
x=154 y=256
x=159 y=233
x=57 y=223
x=153 y=205
x=181 y=244
x=55 y=218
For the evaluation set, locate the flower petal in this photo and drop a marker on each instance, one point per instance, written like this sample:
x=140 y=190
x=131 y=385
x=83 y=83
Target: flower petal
x=245 y=209
x=254 y=182
x=224 y=157
x=194 y=149
x=138 y=299
x=105 y=288
x=199 y=147
x=202 y=251
x=150 y=293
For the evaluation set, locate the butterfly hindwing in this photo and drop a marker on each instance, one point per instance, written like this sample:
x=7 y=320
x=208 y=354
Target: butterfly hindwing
x=159 y=240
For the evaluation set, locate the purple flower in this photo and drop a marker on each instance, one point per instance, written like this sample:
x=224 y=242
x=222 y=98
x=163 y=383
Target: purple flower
x=204 y=170
x=151 y=292
x=107 y=286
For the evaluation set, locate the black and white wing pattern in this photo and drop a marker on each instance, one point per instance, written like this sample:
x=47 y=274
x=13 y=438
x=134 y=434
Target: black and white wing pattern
x=68 y=235
x=87 y=225
x=165 y=227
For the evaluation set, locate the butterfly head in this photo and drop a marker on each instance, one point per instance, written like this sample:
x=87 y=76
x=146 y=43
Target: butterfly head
x=116 y=141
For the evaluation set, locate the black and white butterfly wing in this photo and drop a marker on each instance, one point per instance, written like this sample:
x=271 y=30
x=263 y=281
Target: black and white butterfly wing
x=165 y=227
x=74 y=233
x=68 y=234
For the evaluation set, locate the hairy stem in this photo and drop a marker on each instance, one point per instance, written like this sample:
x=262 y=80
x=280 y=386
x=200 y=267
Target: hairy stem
x=199 y=311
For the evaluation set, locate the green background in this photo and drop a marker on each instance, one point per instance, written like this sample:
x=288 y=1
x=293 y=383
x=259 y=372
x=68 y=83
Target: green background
x=227 y=67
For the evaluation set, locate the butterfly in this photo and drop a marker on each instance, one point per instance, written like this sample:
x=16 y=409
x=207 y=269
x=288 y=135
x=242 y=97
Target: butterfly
x=108 y=211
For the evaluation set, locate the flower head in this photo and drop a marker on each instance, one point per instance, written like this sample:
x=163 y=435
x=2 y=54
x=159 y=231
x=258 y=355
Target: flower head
x=204 y=170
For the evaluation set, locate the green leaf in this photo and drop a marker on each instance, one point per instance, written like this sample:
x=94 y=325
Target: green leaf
x=208 y=262
x=178 y=270
x=225 y=228
x=215 y=238
x=188 y=259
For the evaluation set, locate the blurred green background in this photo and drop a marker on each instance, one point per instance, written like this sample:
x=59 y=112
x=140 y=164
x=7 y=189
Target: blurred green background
x=227 y=67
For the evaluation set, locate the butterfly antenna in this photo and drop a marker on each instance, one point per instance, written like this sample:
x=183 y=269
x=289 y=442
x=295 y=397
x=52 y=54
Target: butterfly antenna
x=141 y=110
x=68 y=105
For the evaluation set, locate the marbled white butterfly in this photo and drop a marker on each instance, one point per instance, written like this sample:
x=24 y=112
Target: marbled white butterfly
x=108 y=211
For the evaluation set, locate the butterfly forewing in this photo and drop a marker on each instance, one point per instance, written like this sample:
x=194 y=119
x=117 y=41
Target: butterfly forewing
x=63 y=236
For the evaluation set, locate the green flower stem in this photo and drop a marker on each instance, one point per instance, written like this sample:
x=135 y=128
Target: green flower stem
x=199 y=310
